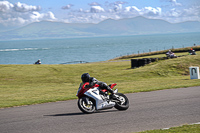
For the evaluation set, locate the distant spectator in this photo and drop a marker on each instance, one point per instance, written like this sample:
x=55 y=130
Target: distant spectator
x=38 y=62
x=192 y=51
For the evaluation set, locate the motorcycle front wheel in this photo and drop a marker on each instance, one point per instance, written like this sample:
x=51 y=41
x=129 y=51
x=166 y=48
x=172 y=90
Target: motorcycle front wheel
x=123 y=102
x=87 y=107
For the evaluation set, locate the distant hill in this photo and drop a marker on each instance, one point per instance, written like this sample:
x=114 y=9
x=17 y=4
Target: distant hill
x=131 y=26
x=4 y=28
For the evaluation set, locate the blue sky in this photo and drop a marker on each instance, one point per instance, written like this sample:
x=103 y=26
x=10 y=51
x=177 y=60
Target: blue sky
x=22 y=12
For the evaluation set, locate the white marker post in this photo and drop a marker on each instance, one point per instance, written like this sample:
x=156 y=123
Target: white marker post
x=194 y=72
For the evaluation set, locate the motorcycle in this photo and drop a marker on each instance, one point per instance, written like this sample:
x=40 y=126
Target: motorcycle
x=91 y=99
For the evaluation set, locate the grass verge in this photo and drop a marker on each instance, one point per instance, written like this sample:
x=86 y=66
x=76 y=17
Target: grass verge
x=178 y=51
x=182 y=129
x=33 y=84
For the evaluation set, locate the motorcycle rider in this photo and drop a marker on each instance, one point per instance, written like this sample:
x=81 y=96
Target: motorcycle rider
x=170 y=54
x=92 y=81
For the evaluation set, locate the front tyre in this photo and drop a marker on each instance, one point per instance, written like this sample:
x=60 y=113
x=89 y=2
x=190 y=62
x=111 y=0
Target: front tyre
x=87 y=107
x=122 y=103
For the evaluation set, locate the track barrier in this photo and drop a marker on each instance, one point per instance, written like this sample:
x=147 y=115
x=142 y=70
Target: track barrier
x=135 y=63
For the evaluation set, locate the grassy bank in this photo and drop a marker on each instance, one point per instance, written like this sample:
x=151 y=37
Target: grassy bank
x=182 y=129
x=178 y=51
x=32 y=84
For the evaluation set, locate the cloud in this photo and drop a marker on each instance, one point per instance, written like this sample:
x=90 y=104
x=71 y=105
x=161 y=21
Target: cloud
x=175 y=3
x=180 y=15
x=67 y=6
x=132 y=9
x=150 y=11
x=94 y=4
x=96 y=9
x=36 y=16
x=5 y=6
x=146 y=11
x=172 y=2
x=116 y=3
x=21 y=7
x=192 y=11
x=118 y=7
x=20 y=13
x=173 y=13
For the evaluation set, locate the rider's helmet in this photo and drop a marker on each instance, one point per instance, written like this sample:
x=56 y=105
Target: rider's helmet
x=85 y=77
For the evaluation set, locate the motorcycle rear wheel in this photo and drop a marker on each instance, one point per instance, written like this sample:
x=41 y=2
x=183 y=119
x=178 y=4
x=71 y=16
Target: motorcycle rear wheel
x=84 y=107
x=123 y=103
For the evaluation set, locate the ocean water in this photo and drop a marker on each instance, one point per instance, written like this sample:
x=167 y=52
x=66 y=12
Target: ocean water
x=66 y=51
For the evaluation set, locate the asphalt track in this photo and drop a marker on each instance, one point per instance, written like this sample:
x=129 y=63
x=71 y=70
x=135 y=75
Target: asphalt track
x=148 y=110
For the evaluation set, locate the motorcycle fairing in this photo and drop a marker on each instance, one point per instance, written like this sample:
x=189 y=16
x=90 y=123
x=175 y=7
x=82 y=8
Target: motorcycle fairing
x=111 y=86
x=100 y=103
x=83 y=89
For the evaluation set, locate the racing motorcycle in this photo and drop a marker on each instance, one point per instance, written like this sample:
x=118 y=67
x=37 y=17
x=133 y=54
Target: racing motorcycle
x=91 y=99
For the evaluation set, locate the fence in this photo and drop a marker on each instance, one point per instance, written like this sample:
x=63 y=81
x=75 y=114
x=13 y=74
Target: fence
x=75 y=62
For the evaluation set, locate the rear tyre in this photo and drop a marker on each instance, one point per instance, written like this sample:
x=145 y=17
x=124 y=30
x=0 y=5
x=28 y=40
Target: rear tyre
x=87 y=107
x=123 y=103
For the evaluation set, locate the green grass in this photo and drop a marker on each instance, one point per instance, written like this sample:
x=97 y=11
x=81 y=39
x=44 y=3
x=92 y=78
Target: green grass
x=182 y=129
x=33 y=84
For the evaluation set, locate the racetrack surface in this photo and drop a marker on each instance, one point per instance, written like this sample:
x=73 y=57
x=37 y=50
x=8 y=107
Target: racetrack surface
x=148 y=110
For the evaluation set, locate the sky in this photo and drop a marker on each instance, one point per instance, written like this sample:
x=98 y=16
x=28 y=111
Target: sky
x=23 y=12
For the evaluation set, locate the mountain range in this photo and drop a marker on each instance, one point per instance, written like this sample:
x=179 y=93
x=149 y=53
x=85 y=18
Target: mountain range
x=109 y=27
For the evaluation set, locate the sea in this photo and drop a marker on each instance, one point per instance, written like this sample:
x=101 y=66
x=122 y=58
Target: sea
x=90 y=49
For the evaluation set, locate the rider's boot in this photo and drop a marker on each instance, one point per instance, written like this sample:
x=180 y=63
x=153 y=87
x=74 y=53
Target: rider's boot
x=112 y=95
